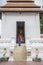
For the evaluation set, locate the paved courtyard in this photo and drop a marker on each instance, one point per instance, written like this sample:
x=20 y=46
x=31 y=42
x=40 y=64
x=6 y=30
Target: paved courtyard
x=21 y=63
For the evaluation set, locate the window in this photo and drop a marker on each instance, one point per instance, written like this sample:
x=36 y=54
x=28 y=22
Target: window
x=20 y=31
x=41 y=23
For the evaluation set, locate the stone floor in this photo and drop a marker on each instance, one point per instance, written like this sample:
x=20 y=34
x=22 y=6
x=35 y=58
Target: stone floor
x=21 y=63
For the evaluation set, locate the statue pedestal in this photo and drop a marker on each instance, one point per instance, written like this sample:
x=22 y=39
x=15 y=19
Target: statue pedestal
x=4 y=59
x=37 y=59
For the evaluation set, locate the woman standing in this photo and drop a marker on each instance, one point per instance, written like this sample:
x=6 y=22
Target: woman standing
x=19 y=39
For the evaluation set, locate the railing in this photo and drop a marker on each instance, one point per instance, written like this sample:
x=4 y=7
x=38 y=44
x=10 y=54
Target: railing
x=35 y=43
x=31 y=44
x=8 y=45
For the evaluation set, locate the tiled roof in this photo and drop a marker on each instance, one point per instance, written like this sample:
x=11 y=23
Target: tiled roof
x=20 y=10
x=20 y=5
x=24 y=5
x=19 y=0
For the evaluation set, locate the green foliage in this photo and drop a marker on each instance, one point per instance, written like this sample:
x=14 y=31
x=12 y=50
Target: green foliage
x=41 y=24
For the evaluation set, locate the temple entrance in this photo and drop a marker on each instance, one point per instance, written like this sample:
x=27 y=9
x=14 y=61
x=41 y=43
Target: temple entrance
x=20 y=27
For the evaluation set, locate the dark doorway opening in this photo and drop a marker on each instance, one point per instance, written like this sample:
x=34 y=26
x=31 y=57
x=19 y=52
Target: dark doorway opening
x=20 y=30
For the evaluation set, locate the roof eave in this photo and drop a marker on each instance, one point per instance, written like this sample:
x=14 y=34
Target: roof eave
x=21 y=11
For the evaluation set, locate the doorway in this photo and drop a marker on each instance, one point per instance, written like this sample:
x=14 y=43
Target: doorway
x=20 y=27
